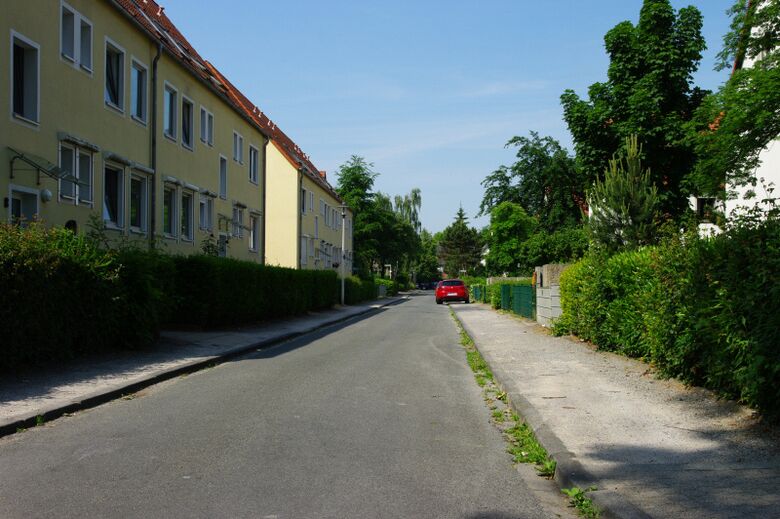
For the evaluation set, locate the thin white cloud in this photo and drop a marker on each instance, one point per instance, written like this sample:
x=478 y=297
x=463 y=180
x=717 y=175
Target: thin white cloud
x=502 y=88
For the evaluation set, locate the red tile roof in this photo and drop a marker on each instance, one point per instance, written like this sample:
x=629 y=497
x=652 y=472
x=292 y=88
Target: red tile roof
x=152 y=18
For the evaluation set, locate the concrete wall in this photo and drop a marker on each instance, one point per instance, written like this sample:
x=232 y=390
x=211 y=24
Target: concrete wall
x=548 y=293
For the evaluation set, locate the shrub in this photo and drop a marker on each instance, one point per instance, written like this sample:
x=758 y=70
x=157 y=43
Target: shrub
x=357 y=289
x=392 y=286
x=562 y=246
x=697 y=308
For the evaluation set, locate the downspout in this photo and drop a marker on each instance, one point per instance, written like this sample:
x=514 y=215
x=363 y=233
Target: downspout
x=263 y=198
x=153 y=158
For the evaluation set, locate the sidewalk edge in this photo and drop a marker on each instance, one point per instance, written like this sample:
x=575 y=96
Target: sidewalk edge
x=569 y=472
x=27 y=421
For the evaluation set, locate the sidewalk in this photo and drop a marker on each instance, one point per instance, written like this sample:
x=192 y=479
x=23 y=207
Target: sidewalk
x=89 y=382
x=651 y=447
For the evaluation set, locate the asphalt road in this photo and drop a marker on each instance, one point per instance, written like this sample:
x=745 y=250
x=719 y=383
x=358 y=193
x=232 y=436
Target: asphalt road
x=378 y=417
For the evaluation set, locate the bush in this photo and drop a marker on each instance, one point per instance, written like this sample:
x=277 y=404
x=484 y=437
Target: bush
x=357 y=289
x=60 y=297
x=697 y=308
x=494 y=290
x=389 y=284
x=562 y=246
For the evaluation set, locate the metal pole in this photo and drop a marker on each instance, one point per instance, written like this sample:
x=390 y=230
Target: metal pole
x=343 y=253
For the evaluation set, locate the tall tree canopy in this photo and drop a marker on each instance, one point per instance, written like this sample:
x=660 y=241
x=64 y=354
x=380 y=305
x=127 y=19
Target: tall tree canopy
x=510 y=226
x=648 y=93
x=543 y=180
x=734 y=125
x=459 y=246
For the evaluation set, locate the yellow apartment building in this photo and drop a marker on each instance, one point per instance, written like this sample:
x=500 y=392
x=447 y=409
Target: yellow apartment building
x=318 y=220
x=110 y=114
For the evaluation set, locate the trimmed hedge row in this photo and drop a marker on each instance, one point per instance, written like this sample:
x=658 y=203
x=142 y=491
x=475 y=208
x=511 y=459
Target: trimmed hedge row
x=702 y=310
x=62 y=297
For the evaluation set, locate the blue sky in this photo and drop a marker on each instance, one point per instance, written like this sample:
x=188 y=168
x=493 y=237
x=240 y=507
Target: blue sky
x=427 y=90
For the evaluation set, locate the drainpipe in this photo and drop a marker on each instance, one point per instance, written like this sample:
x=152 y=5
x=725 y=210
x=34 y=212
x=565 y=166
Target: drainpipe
x=263 y=198
x=153 y=158
x=300 y=216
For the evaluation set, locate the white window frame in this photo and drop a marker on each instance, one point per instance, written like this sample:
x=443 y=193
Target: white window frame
x=174 y=211
x=207 y=129
x=135 y=63
x=173 y=105
x=78 y=151
x=238 y=147
x=122 y=76
x=77 y=59
x=191 y=224
x=120 y=210
x=191 y=103
x=22 y=118
x=207 y=202
x=144 y=203
x=304 y=255
x=254 y=232
x=222 y=192
x=311 y=201
x=254 y=164
x=238 y=222
x=27 y=191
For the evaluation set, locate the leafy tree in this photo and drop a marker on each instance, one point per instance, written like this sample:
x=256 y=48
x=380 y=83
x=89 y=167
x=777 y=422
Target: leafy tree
x=510 y=226
x=460 y=247
x=562 y=246
x=544 y=180
x=427 y=265
x=408 y=207
x=623 y=205
x=733 y=126
x=648 y=93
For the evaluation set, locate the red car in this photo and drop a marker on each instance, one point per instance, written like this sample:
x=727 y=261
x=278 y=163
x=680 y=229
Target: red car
x=451 y=290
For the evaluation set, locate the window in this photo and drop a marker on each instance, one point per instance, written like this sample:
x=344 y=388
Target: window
x=238 y=222
x=115 y=76
x=206 y=213
x=23 y=206
x=75 y=38
x=138 y=203
x=186 y=215
x=311 y=201
x=304 y=253
x=187 y=122
x=254 y=237
x=253 y=164
x=113 y=196
x=222 y=177
x=238 y=148
x=206 y=126
x=169 y=210
x=311 y=247
x=25 y=86
x=77 y=165
x=169 y=112
x=316 y=226
x=303 y=200
x=138 y=91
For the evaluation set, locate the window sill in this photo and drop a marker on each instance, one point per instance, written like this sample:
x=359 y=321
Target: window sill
x=140 y=121
x=111 y=226
x=19 y=118
x=69 y=59
x=86 y=69
x=188 y=147
x=170 y=137
x=138 y=231
x=169 y=236
x=115 y=108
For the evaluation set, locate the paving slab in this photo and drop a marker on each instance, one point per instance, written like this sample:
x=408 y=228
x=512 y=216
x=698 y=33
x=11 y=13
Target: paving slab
x=653 y=448
x=56 y=390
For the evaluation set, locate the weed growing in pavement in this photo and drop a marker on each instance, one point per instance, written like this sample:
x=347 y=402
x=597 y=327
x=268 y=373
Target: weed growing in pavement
x=523 y=445
x=39 y=420
x=581 y=502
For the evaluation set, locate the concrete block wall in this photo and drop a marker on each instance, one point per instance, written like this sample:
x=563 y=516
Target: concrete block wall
x=548 y=304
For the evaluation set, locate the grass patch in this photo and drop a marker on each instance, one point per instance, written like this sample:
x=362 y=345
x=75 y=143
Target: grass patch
x=582 y=502
x=523 y=445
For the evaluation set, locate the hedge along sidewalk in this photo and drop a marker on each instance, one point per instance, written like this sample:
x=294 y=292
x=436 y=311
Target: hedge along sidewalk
x=651 y=447
x=52 y=392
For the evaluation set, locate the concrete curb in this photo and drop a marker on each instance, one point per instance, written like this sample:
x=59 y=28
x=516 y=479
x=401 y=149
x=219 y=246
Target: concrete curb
x=14 y=424
x=569 y=472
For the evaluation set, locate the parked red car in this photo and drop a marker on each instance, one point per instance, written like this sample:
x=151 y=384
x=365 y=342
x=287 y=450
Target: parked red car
x=451 y=290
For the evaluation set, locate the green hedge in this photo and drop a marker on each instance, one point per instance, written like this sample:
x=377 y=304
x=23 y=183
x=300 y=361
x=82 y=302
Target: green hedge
x=61 y=296
x=494 y=291
x=392 y=286
x=702 y=310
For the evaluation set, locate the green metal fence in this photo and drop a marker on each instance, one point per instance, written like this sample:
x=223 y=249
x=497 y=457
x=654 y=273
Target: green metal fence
x=524 y=301
x=506 y=297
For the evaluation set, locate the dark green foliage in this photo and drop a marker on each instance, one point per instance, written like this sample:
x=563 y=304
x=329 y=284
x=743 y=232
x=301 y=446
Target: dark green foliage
x=700 y=309
x=543 y=180
x=623 y=205
x=61 y=297
x=510 y=226
x=562 y=246
x=459 y=247
x=648 y=93
x=733 y=126
x=390 y=285
x=494 y=291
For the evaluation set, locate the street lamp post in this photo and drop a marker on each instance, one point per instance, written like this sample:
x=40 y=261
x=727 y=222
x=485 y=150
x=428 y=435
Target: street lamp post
x=343 y=252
